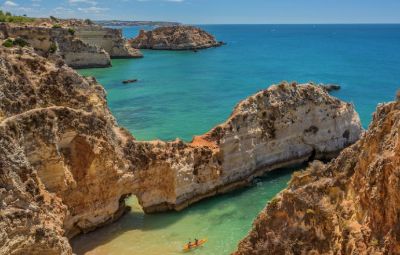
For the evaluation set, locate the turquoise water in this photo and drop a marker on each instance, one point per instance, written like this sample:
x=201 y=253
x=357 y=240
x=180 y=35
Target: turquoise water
x=224 y=220
x=181 y=94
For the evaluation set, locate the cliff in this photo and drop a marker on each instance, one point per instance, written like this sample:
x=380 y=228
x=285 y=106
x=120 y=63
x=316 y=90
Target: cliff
x=60 y=152
x=82 y=46
x=349 y=206
x=66 y=167
x=109 y=39
x=174 y=38
x=284 y=125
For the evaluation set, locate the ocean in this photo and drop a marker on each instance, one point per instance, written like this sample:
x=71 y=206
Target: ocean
x=182 y=94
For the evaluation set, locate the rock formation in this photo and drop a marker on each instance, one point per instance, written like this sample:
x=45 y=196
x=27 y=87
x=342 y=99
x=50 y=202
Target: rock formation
x=66 y=167
x=174 y=38
x=109 y=39
x=81 y=46
x=349 y=206
x=281 y=126
x=62 y=169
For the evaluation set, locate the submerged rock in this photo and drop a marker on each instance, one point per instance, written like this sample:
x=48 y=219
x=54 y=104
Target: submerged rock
x=349 y=206
x=130 y=81
x=175 y=38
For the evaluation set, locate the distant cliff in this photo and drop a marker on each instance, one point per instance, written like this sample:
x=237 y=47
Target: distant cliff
x=349 y=206
x=80 y=45
x=174 y=38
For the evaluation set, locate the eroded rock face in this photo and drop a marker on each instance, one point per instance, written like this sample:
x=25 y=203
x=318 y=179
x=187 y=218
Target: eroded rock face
x=350 y=206
x=174 y=38
x=277 y=127
x=62 y=169
x=80 y=47
x=109 y=39
x=66 y=167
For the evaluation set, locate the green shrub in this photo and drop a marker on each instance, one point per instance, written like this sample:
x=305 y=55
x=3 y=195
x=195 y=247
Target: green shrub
x=8 y=43
x=20 y=42
x=89 y=22
x=56 y=26
x=53 y=48
x=71 y=31
x=8 y=17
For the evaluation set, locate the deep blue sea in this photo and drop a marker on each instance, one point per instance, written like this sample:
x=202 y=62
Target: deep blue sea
x=181 y=94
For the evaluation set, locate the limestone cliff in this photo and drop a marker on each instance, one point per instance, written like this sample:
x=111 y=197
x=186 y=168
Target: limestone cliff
x=174 y=38
x=109 y=39
x=281 y=126
x=62 y=169
x=59 y=41
x=81 y=46
x=350 y=206
x=66 y=167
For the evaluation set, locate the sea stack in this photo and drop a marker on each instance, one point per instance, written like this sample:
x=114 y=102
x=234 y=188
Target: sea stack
x=175 y=38
x=349 y=206
x=283 y=125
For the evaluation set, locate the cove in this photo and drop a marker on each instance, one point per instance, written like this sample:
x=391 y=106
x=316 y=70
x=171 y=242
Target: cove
x=224 y=220
x=181 y=94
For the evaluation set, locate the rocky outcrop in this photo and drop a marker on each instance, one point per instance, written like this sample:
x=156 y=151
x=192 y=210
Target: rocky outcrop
x=174 y=38
x=109 y=39
x=349 y=206
x=80 y=47
x=66 y=167
x=284 y=125
x=62 y=169
x=62 y=42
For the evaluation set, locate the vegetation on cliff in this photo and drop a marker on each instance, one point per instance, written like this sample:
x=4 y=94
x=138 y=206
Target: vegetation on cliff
x=349 y=206
x=8 y=17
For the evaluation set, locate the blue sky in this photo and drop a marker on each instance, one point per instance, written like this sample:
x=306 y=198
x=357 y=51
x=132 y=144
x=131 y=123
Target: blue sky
x=215 y=11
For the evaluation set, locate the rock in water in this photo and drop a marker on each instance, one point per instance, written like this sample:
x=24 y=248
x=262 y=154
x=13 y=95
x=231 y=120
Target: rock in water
x=66 y=167
x=330 y=87
x=350 y=206
x=280 y=126
x=129 y=81
x=174 y=38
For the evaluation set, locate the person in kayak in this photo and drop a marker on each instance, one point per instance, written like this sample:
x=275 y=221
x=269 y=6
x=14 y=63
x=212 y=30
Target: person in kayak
x=189 y=244
x=196 y=242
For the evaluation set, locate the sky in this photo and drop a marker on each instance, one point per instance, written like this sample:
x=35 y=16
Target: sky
x=215 y=11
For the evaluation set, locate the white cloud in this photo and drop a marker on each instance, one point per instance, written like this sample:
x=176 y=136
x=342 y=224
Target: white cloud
x=92 y=2
x=10 y=4
x=93 y=9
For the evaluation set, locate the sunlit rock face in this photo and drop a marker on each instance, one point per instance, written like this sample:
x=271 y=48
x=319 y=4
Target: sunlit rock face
x=174 y=38
x=109 y=39
x=284 y=125
x=79 y=45
x=349 y=206
x=66 y=166
x=62 y=169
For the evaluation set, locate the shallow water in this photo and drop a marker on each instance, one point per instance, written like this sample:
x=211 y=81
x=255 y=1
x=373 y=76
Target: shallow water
x=181 y=94
x=224 y=220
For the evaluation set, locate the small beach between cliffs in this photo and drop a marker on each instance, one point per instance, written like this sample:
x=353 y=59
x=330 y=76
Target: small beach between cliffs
x=181 y=94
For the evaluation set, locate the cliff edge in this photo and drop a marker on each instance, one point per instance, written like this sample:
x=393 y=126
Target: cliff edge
x=174 y=38
x=284 y=125
x=350 y=206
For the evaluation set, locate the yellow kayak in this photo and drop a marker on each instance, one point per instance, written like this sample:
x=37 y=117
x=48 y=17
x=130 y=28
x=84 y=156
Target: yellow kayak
x=193 y=246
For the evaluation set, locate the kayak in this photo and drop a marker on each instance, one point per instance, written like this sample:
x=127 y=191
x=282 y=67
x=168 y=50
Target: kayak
x=193 y=246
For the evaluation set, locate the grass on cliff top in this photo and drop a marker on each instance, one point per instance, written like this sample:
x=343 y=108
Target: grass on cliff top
x=8 y=17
